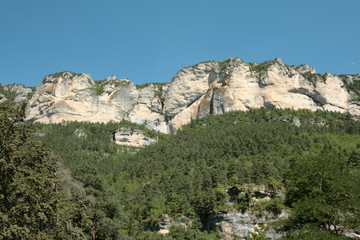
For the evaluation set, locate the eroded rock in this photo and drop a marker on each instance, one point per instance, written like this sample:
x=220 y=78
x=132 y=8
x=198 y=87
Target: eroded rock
x=76 y=97
x=237 y=224
x=206 y=88
x=2 y=98
x=20 y=92
x=132 y=137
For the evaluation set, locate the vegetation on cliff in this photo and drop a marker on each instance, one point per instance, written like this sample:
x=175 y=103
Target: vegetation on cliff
x=7 y=94
x=10 y=92
x=61 y=74
x=354 y=87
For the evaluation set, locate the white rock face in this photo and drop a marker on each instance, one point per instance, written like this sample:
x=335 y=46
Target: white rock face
x=2 y=98
x=76 y=97
x=240 y=86
x=237 y=224
x=21 y=92
x=188 y=85
x=130 y=137
x=208 y=88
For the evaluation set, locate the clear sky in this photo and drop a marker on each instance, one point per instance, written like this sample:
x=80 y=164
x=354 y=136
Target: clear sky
x=150 y=40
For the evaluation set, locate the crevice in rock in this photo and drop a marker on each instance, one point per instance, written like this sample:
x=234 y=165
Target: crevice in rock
x=212 y=103
x=193 y=101
x=314 y=95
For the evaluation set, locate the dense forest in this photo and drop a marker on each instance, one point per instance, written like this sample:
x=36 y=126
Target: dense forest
x=71 y=181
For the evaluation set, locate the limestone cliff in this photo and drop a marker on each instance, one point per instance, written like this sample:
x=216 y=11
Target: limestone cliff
x=206 y=88
x=17 y=92
x=237 y=85
x=76 y=97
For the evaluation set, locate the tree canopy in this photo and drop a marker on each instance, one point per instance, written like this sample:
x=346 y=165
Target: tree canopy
x=87 y=187
x=32 y=200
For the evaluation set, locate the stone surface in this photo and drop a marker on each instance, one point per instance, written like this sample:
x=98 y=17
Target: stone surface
x=21 y=92
x=237 y=224
x=296 y=122
x=194 y=92
x=80 y=133
x=166 y=222
x=2 y=98
x=238 y=87
x=131 y=137
x=76 y=97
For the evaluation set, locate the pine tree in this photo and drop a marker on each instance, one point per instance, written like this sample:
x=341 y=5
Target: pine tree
x=27 y=183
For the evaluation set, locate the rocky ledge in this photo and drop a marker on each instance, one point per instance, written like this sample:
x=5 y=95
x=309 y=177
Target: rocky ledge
x=18 y=92
x=132 y=137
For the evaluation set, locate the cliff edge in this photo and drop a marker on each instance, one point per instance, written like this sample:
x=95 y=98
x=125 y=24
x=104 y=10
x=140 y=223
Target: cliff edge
x=206 y=88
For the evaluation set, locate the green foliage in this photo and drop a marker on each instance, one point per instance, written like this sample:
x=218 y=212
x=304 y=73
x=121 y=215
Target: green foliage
x=354 y=87
x=159 y=85
x=158 y=91
x=254 y=147
x=315 y=234
x=223 y=65
x=32 y=204
x=191 y=172
x=7 y=94
x=275 y=205
x=26 y=192
x=99 y=85
x=260 y=67
x=314 y=77
x=60 y=74
x=196 y=65
x=95 y=161
x=323 y=190
x=179 y=232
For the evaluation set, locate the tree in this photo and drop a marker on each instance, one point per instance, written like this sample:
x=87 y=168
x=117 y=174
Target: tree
x=31 y=206
x=324 y=192
x=27 y=183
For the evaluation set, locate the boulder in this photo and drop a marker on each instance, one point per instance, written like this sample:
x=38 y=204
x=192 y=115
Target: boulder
x=132 y=137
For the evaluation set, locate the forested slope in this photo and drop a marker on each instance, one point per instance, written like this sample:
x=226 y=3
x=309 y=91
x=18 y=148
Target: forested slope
x=188 y=173
x=310 y=161
x=316 y=165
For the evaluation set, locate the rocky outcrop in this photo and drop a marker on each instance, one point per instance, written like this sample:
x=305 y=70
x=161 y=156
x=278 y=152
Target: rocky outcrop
x=236 y=85
x=80 y=134
x=19 y=92
x=2 y=98
x=260 y=207
x=76 y=97
x=237 y=224
x=196 y=91
x=132 y=137
x=166 y=222
x=350 y=233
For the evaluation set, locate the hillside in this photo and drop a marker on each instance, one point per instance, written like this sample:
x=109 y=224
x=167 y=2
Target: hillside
x=226 y=150
x=211 y=166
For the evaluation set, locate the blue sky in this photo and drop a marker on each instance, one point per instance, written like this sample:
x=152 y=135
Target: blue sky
x=149 y=41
